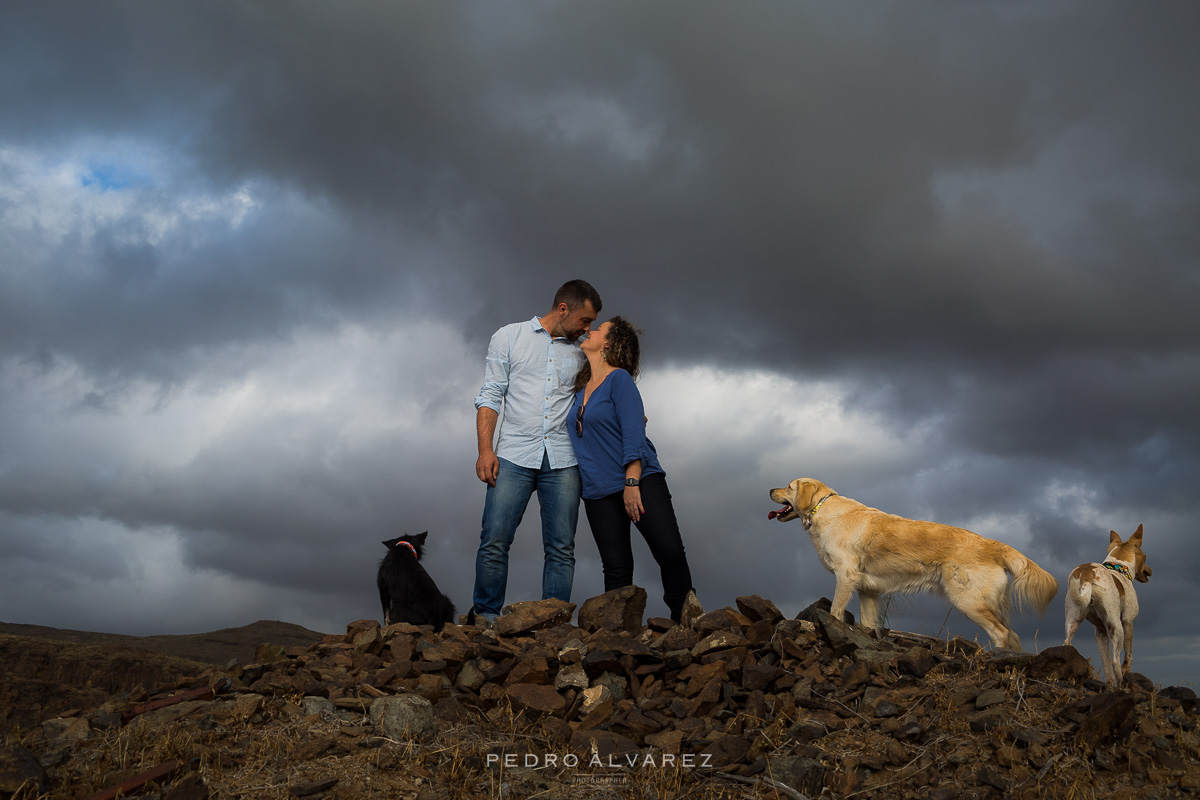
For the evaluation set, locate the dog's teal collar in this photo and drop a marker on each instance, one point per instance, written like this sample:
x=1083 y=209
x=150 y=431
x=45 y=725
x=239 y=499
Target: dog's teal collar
x=1121 y=568
x=409 y=546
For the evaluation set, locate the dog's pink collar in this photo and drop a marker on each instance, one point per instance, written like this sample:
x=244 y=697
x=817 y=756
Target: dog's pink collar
x=1121 y=568
x=409 y=546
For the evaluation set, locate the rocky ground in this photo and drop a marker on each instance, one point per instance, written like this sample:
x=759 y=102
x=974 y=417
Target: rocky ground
x=733 y=703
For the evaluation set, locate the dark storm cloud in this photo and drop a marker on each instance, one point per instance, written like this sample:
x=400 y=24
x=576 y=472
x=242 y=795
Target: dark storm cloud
x=781 y=152
x=974 y=222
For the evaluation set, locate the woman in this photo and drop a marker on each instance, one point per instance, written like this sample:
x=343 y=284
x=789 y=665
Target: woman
x=622 y=478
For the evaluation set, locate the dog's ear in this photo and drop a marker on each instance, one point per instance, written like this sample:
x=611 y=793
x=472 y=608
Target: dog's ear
x=1137 y=536
x=807 y=490
x=1113 y=538
x=419 y=538
x=390 y=543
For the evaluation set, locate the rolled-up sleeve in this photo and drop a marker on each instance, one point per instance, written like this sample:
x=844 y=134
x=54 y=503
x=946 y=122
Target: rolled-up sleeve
x=495 y=372
x=631 y=415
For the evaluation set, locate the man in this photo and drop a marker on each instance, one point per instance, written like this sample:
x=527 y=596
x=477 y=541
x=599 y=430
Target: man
x=530 y=368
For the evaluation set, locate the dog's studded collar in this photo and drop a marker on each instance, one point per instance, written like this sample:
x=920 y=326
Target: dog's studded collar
x=409 y=546
x=822 y=500
x=806 y=517
x=1121 y=568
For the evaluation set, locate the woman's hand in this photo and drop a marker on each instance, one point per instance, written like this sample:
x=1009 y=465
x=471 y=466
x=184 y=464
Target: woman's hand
x=633 y=503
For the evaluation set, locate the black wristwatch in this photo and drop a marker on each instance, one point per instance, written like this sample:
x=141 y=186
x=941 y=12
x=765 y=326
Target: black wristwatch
x=631 y=481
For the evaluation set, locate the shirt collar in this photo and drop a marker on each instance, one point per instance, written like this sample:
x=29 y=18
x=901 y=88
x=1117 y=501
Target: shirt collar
x=536 y=324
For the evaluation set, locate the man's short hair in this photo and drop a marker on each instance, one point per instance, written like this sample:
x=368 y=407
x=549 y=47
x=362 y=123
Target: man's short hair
x=575 y=293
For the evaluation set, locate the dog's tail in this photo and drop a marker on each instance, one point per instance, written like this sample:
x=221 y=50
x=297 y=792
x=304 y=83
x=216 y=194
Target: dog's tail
x=1079 y=591
x=1034 y=587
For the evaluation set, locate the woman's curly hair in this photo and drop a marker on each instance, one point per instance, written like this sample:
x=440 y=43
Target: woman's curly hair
x=621 y=350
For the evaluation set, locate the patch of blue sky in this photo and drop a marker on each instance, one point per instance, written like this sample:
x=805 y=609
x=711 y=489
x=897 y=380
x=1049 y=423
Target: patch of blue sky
x=108 y=176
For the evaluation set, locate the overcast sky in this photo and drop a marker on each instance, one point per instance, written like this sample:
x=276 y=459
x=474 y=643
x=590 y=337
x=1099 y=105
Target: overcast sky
x=942 y=257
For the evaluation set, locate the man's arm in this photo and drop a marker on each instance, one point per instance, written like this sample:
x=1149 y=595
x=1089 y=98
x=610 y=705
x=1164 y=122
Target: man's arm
x=488 y=403
x=487 y=465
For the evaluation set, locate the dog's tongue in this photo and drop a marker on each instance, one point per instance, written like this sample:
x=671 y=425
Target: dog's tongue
x=778 y=513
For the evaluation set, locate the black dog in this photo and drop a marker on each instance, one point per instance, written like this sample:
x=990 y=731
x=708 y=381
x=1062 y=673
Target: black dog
x=407 y=592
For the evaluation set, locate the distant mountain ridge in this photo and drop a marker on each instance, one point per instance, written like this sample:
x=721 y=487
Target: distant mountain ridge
x=214 y=647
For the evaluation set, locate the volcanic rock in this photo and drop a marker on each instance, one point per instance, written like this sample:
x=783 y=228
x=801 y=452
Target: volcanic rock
x=20 y=768
x=692 y=610
x=844 y=638
x=758 y=609
x=1063 y=663
x=916 y=661
x=720 y=620
x=809 y=614
x=1105 y=719
x=537 y=698
x=616 y=610
x=532 y=615
x=403 y=717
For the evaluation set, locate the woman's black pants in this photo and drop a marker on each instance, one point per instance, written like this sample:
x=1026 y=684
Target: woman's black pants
x=610 y=528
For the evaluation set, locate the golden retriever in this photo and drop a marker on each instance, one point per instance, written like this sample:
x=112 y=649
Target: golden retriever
x=875 y=554
x=1103 y=595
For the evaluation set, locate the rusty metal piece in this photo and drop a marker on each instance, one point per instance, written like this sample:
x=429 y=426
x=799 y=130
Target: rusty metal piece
x=203 y=693
x=127 y=787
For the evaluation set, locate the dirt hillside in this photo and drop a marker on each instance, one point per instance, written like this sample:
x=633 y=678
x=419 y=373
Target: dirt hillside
x=215 y=647
x=732 y=703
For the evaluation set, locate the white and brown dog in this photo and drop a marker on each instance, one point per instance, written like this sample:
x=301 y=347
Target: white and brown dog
x=1103 y=595
x=875 y=554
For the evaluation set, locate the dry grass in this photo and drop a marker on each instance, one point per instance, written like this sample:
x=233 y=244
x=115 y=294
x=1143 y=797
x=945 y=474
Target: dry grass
x=267 y=750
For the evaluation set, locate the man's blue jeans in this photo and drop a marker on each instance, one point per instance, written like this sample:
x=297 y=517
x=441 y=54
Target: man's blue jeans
x=558 y=492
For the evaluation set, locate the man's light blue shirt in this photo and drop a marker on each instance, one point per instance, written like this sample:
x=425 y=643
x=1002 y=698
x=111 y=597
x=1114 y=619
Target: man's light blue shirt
x=531 y=374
